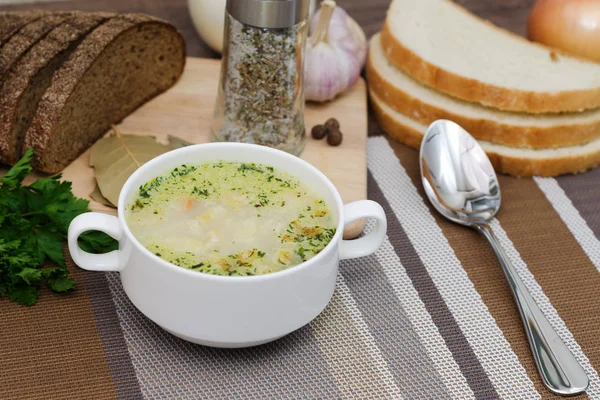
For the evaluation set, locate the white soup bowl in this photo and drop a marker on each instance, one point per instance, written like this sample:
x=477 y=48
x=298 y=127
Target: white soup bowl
x=227 y=311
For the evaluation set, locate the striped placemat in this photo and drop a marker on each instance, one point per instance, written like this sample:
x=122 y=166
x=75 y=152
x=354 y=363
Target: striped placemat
x=429 y=316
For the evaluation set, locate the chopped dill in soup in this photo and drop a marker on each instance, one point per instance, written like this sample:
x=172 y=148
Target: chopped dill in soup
x=230 y=218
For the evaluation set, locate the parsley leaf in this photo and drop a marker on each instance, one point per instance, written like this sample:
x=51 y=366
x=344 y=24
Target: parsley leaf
x=31 y=276
x=26 y=295
x=97 y=242
x=14 y=177
x=49 y=242
x=34 y=222
x=61 y=284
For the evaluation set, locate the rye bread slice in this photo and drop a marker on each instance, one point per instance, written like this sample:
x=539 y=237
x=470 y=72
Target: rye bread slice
x=27 y=36
x=27 y=81
x=117 y=68
x=12 y=21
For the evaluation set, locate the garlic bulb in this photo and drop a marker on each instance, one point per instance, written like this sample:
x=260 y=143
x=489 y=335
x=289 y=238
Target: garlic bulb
x=335 y=53
x=345 y=32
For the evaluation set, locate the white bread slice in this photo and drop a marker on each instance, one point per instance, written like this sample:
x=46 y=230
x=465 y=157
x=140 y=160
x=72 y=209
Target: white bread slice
x=426 y=105
x=446 y=47
x=508 y=160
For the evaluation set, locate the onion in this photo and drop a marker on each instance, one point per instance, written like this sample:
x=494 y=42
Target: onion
x=569 y=25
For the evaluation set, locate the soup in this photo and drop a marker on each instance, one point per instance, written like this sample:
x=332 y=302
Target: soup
x=230 y=218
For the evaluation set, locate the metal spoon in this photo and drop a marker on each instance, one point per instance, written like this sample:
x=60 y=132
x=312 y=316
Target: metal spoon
x=461 y=184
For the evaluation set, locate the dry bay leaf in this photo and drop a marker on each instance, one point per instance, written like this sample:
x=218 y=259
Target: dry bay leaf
x=116 y=157
x=98 y=197
x=177 y=143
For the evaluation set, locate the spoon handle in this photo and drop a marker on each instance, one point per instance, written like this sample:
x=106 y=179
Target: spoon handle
x=560 y=371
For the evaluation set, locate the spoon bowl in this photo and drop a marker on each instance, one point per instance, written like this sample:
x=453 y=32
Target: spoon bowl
x=460 y=182
x=457 y=175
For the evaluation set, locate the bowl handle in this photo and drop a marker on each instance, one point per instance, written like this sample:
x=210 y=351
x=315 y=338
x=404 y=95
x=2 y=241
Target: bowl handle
x=367 y=244
x=94 y=221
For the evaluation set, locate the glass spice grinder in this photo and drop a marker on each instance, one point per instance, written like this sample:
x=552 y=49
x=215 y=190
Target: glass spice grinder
x=261 y=89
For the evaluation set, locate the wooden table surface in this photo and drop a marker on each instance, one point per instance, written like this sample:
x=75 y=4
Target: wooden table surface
x=370 y=14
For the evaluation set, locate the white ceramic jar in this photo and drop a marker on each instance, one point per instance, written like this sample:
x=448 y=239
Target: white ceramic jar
x=227 y=311
x=208 y=17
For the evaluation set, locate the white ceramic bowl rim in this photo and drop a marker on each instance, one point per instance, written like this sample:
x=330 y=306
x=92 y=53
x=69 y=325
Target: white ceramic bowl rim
x=234 y=147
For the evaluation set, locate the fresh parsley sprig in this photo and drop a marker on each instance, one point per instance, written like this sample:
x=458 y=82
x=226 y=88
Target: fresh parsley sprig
x=34 y=221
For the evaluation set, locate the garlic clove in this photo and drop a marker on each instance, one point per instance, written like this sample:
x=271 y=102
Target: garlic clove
x=324 y=75
x=353 y=66
x=359 y=46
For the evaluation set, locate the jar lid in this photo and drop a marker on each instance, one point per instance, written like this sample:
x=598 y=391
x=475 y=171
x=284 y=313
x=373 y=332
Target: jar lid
x=269 y=13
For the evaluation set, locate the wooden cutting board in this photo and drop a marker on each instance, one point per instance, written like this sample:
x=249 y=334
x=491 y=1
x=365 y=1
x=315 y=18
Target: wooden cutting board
x=186 y=111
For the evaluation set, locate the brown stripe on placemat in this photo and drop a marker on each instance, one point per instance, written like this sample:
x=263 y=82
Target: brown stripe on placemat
x=481 y=264
x=458 y=345
x=392 y=330
x=52 y=349
x=555 y=258
x=584 y=192
x=111 y=335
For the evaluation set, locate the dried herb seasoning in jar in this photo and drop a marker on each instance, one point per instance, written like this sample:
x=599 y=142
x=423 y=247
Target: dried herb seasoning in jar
x=261 y=96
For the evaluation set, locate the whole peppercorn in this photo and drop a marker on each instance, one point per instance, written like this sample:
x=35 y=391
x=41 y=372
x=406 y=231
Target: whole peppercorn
x=334 y=138
x=332 y=124
x=318 y=132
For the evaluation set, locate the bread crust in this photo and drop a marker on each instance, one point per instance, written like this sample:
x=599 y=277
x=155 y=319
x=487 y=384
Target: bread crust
x=26 y=37
x=65 y=82
x=18 y=80
x=12 y=21
x=535 y=137
x=462 y=87
x=511 y=165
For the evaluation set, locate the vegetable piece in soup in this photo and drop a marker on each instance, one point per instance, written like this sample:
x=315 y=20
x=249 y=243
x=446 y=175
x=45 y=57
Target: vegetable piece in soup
x=230 y=218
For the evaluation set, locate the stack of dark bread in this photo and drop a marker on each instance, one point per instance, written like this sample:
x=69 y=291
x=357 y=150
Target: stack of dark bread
x=66 y=77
